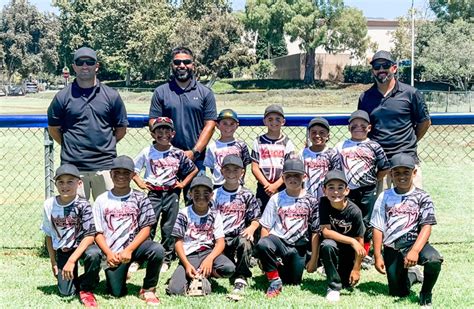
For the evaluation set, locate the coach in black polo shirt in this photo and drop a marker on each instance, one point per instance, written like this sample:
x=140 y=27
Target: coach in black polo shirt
x=87 y=119
x=398 y=113
x=191 y=105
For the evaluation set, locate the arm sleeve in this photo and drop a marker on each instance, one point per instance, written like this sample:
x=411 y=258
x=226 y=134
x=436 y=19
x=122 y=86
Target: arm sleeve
x=140 y=160
x=186 y=165
x=315 y=216
x=255 y=155
x=245 y=155
x=55 y=112
x=218 y=227
x=209 y=158
x=253 y=208
x=381 y=158
x=87 y=220
x=334 y=160
x=427 y=213
x=289 y=149
x=357 y=222
x=156 y=108
x=97 y=214
x=378 y=218
x=323 y=211
x=210 y=110
x=420 y=110
x=120 y=113
x=269 y=214
x=46 y=224
x=147 y=213
x=179 y=228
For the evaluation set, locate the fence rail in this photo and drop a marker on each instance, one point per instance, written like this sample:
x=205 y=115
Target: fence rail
x=29 y=156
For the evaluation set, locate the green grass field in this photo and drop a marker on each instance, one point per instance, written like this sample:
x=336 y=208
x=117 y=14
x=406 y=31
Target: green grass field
x=448 y=165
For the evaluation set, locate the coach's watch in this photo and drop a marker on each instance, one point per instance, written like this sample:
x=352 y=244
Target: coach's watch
x=196 y=153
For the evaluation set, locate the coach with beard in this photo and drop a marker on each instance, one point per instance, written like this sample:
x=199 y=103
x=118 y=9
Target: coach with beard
x=190 y=104
x=398 y=113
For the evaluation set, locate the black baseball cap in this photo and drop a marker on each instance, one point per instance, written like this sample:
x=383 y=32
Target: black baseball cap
x=360 y=114
x=293 y=166
x=67 y=169
x=201 y=181
x=335 y=175
x=402 y=159
x=274 y=108
x=162 y=122
x=234 y=160
x=227 y=113
x=382 y=54
x=320 y=121
x=85 y=52
x=124 y=162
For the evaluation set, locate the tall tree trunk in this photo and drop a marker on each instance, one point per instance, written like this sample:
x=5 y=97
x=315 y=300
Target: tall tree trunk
x=269 y=50
x=127 y=78
x=309 y=66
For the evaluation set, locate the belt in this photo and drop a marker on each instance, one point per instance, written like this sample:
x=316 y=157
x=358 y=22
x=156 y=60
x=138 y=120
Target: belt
x=161 y=188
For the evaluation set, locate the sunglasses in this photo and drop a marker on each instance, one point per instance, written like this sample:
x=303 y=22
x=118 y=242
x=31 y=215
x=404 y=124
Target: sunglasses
x=164 y=119
x=80 y=62
x=185 y=61
x=384 y=65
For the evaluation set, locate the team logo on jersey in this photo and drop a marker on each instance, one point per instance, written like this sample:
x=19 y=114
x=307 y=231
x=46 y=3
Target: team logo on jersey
x=341 y=225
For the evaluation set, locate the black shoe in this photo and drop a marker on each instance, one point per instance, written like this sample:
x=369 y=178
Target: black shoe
x=425 y=300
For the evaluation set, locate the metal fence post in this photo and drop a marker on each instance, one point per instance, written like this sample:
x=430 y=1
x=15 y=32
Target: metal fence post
x=48 y=165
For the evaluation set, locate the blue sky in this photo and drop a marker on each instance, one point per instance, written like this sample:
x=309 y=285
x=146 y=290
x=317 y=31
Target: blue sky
x=389 y=9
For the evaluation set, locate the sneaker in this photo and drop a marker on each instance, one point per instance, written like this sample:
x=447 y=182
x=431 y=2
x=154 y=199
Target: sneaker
x=425 y=300
x=87 y=299
x=253 y=262
x=133 y=268
x=320 y=270
x=415 y=272
x=367 y=262
x=239 y=289
x=333 y=296
x=275 y=288
x=149 y=297
x=164 y=267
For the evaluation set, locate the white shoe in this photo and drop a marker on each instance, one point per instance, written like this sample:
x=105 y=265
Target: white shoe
x=164 y=268
x=320 y=270
x=333 y=296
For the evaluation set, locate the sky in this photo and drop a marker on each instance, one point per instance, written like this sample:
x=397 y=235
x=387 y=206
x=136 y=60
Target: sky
x=388 y=9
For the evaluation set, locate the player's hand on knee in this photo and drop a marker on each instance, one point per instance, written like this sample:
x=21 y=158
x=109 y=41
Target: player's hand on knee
x=380 y=265
x=411 y=259
x=68 y=270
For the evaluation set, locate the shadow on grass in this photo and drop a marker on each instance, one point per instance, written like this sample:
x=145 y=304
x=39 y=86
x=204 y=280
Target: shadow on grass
x=217 y=288
x=315 y=286
x=101 y=289
x=260 y=283
x=373 y=288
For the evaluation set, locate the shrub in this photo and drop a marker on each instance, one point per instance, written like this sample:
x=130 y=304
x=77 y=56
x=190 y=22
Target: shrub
x=357 y=74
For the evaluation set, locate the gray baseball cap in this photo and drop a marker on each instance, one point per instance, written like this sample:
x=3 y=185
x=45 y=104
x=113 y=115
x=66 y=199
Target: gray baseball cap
x=335 y=175
x=67 y=169
x=360 y=114
x=274 y=108
x=124 y=162
x=293 y=166
x=402 y=159
x=232 y=160
x=320 y=121
x=382 y=54
x=85 y=52
x=201 y=181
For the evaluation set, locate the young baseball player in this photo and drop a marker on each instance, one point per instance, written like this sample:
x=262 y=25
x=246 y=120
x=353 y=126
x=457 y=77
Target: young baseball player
x=123 y=219
x=240 y=213
x=342 y=248
x=167 y=171
x=402 y=221
x=269 y=151
x=227 y=123
x=317 y=157
x=200 y=241
x=364 y=163
x=69 y=228
x=288 y=217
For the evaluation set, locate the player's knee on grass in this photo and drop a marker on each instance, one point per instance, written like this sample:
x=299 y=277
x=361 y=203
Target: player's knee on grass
x=156 y=252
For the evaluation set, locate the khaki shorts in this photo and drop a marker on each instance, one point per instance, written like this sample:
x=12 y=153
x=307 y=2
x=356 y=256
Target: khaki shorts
x=98 y=182
x=386 y=182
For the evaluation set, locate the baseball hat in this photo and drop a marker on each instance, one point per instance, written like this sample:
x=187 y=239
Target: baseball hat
x=234 y=160
x=85 y=52
x=228 y=113
x=360 y=114
x=402 y=159
x=201 y=181
x=67 y=169
x=124 y=162
x=335 y=175
x=382 y=54
x=274 y=108
x=293 y=166
x=320 y=121
x=162 y=122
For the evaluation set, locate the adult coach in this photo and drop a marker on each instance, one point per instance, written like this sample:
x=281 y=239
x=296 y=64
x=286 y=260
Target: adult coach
x=398 y=113
x=191 y=105
x=87 y=119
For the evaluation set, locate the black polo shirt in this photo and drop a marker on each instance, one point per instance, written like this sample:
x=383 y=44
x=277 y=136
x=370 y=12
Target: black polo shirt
x=394 y=117
x=87 y=118
x=188 y=108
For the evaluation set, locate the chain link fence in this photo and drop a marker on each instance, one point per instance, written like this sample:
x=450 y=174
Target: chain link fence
x=28 y=157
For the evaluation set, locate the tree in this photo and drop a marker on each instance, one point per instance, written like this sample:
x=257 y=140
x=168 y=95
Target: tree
x=30 y=39
x=329 y=24
x=449 y=57
x=450 y=10
x=277 y=49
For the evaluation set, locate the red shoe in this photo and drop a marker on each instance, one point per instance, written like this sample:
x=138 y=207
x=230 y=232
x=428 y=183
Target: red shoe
x=87 y=299
x=275 y=288
x=149 y=297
